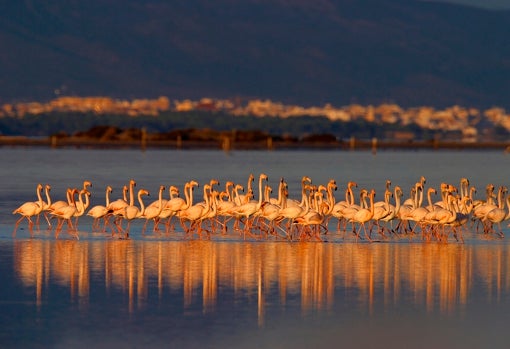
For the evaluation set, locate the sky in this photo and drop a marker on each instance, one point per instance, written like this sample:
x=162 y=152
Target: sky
x=491 y=4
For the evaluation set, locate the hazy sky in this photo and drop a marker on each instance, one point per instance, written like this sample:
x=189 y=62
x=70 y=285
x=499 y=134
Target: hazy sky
x=482 y=3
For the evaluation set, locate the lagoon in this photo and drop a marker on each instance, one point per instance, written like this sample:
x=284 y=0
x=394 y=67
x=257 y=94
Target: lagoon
x=158 y=291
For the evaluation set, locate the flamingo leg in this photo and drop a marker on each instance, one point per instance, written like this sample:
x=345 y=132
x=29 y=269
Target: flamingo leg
x=16 y=225
x=126 y=231
x=145 y=226
x=60 y=223
x=47 y=219
x=366 y=235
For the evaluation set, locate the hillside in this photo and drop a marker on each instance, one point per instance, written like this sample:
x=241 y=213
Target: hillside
x=304 y=52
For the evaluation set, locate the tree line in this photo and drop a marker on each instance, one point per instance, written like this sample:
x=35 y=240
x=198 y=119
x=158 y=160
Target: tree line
x=45 y=125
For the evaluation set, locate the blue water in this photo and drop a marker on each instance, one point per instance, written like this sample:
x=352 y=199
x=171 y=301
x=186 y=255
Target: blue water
x=166 y=292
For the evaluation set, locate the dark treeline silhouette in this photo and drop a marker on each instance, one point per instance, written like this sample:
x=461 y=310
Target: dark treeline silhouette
x=68 y=124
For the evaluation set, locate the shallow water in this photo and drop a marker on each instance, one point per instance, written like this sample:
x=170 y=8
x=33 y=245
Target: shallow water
x=153 y=291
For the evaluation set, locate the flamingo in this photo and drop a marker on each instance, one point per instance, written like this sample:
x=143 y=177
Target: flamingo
x=237 y=199
x=86 y=185
x=290 y=213
x=480 y=211
x=174 y=194
x=496 y=216
x=394 y=210
x=419 y=213
x=349 y=211
x=210 y=213
x=448 y=217
x=408 y=206
x=278 y=200
x=489 y=192
x=269 y=211
x=153 y=211
x=118 y=206
x=250 y=208
x=388 y=189
x=471 y=193
x=212 y=183
x=305 y=180
x=66 y=213
x=412 y=199
x=176 y=204
x=193 y=213
x=225 y=208
x=131 y=212
x=100 y=211
x=464 y=187
x=364 y=215
x=464 y=206
x=330 y=204
x=381 y=210
x=61 y=203
x=81 y=206
x=242 y=197
x=29 y=209
x=173 y=191
x=340 y=206
x=314 y=217
x=46 y=206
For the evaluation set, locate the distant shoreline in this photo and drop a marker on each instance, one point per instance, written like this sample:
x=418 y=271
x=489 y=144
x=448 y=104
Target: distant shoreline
x=373 y=145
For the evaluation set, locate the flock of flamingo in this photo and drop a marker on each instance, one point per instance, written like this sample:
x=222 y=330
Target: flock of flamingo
x=236 y=210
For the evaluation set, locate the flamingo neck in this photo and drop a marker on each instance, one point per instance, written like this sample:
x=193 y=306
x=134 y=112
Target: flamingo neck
x=331 y=199
x=213 y=204
x=48 y=198
x=190 y=195
x=160 y=199
x=307 y=206
x=397 y=200
x=501 y=201
x=280 y=193
x=131 y=194
x=39 y=197
x=250 y=183
x=70 y=200
x=80 y=208
x=429 y=199
x=259 y=204
x=387 y=200
x=371 y=197
x=350 y=199
x=107 y=196
x=418 y=194
x=237 y=198
x=229 y=191
x=186 y=195
x=142 y=205
x=303 y=192
x=207 y=202
x=87 y=201
x=267 y=193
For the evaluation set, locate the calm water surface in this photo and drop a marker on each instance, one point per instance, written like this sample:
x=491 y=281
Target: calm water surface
x=164 y=292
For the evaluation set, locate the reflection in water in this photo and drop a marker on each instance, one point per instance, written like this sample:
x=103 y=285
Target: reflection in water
x=435 y=277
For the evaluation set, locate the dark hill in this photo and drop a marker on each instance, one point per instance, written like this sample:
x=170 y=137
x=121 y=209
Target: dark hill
x=304 y=52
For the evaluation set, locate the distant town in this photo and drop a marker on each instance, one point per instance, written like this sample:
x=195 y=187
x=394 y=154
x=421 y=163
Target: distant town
x=471 y=123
